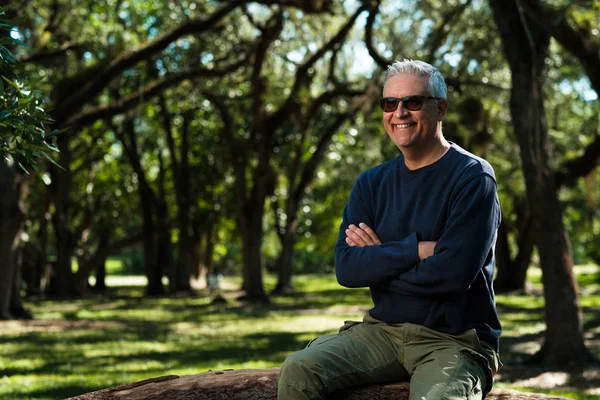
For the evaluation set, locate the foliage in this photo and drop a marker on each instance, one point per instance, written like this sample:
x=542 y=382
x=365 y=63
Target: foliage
x=468 y=53
x=24 y=124
x=84 y=345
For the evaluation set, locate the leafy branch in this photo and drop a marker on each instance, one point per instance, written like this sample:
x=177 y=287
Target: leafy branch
x=24 y=124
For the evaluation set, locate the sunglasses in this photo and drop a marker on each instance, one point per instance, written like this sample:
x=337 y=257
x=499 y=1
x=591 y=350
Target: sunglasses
x=411 y=103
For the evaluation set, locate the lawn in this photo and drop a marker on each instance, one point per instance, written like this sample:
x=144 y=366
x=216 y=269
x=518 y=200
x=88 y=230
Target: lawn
x=79 y=346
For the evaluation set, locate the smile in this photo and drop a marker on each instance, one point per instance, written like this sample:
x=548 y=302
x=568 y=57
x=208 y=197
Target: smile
x=402 y=125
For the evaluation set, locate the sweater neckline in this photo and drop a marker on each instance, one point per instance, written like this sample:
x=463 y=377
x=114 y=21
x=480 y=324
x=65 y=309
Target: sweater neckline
x=431 y=167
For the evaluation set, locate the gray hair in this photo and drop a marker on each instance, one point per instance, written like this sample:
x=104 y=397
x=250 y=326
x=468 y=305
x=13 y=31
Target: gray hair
x=437 y=85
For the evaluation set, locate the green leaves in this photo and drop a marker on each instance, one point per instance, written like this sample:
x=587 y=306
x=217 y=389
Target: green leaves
x=23 y=122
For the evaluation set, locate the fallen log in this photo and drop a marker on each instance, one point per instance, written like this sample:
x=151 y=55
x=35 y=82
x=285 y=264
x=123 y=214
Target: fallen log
x=257 y=384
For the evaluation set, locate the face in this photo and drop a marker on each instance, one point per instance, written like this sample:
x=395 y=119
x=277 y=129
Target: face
x=413 y=129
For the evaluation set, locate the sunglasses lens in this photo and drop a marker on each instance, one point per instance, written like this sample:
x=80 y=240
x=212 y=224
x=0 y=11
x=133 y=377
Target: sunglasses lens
x=389 y=104
x=413 y=103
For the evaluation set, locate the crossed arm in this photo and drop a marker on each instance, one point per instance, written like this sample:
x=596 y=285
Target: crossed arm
x=362 y=235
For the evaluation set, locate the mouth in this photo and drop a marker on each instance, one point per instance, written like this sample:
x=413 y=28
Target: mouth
x=401 y=126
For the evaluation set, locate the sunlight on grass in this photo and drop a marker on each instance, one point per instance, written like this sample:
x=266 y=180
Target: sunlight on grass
x=83 y=345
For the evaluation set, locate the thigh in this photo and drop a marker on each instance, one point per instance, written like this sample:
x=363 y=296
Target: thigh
x=356 y=356
x=453 y=373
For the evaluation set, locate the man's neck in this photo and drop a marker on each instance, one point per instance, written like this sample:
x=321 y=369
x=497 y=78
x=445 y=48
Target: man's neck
x=415 y=159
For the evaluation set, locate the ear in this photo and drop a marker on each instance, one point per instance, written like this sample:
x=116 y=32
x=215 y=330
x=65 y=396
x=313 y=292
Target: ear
x=442 y=109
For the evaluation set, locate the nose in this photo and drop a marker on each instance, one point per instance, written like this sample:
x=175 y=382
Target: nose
x=400 y=111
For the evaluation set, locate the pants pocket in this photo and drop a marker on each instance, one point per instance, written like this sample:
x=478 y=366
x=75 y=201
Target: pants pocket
x=476 y=366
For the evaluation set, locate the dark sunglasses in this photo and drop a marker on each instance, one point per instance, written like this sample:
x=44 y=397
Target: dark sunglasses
x=411 y=103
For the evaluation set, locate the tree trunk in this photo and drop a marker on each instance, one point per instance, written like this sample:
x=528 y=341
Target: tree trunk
x=285 y=260
x=31 y=268
x=45 y=221
x=512 y=273
x=90 y=263
x=196 y=265
x=179 y=281
x=147 y=198
x=526 y=47
x=62 y=278
x=11 y=220
x=17 y=309
x=164 y=256
x=252 y=252
x=100 y=283
x=259 y=384
x=164 y=253
x=209 y=245
x=180 y=272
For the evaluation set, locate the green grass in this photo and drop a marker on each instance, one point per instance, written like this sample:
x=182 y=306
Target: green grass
x=74 y=347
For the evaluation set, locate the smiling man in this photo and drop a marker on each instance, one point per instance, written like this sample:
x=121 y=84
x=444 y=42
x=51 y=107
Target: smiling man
x=419 y=231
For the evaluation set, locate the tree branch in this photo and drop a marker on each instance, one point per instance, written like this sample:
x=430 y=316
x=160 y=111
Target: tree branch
x=258 y=85
x=440 y=32
x=307 y=6
x=238 y=157
x=381 y=61
x=128 y=59
x=112 y=248
x=45 y=55
x=302 y=78
x=168 y=128
x=573 y=40
x=581 y=166
x=121 y=105
x=366 y=101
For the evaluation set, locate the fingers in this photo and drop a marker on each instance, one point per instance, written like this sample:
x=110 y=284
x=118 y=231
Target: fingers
x=351 y=242
x=361 y=236
x=353 y=237
x=370 y=232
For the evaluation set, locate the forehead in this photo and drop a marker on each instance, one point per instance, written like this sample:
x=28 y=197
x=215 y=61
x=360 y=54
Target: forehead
x=402 y=85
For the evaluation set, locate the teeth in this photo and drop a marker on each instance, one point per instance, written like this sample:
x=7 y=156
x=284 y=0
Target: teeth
x=402 y=125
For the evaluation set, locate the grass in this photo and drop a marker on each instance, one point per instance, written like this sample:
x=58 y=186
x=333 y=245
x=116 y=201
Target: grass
x=84 y=345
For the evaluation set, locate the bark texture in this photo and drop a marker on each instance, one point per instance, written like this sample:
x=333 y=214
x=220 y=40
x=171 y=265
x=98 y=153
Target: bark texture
x=258 y=384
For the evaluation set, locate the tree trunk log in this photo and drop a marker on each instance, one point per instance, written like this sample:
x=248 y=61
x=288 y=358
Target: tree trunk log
x=255 y=384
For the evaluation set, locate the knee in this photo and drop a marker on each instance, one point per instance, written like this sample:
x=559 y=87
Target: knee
x=299 y=370
x=297 y=379
x=297 y=365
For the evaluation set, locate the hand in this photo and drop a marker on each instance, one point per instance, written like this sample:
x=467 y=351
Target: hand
x=426 y=249
x=361 y=235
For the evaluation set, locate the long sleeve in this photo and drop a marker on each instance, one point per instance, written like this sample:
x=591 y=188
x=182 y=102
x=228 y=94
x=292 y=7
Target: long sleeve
x=370 y=265
x=463 y=249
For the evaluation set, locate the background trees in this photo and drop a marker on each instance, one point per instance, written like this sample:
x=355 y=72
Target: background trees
x=230 y=132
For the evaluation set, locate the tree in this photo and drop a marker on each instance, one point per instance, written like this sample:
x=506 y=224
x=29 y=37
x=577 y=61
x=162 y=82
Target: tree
x=564 y=345
x=252 y=156
x=302 y=170
x=23 y=138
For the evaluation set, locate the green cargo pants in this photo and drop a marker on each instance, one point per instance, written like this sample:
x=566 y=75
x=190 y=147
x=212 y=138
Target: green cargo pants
x=439 y=366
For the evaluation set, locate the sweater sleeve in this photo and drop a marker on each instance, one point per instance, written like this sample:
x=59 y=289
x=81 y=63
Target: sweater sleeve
x=462 y=250
x=370 y=265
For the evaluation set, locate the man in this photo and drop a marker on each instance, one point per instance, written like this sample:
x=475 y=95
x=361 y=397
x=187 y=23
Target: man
x=419 y=231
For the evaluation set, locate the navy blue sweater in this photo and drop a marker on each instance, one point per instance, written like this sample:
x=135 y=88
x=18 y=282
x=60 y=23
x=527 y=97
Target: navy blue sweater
x=452 y=202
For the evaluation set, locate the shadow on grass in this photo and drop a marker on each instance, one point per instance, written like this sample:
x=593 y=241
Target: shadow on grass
x=119 y=336
x=269 y=347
